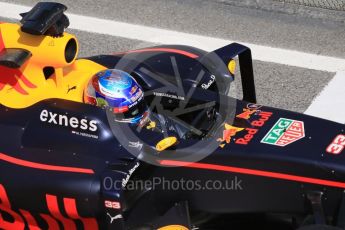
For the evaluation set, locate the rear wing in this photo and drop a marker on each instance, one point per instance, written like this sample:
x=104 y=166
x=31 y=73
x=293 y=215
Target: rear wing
x=228 y=53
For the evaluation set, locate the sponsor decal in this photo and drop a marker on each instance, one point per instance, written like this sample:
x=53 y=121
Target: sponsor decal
x=112 y=218
x=248 y=137
x=55 y=218
x=169 y=96
x=133 y=90
x=263 y=118
x=130 y=172
x=256 y=124
x=66 y=121
x=209 y=83
x=229 y=132
x=79 y=126
x=136 y=102
x=284 y=132
x=136 y=145
x=84 y=134
x=112 y=204
x=250 y=110
x=253 y=106
x=247 y=113
x=69 y=89
x=337 y=145
x=249 y=133
x=137 y=97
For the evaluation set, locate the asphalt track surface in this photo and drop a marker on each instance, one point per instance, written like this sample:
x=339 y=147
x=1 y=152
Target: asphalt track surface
x=278 y=85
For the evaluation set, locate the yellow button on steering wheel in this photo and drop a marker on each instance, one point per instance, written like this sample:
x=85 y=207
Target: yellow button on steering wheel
x=173 y=227
x=166 y=143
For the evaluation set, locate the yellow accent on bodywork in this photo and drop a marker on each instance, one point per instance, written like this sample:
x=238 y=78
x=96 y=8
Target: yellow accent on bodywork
x=71 y=85
x=46 y=50
x=67 y=82
x=232 y=67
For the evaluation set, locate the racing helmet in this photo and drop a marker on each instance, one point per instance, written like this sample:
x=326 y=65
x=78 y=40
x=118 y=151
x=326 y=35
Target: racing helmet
x=119 y=91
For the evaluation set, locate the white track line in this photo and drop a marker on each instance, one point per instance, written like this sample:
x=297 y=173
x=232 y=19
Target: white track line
x=330 y=103
x=162 y=36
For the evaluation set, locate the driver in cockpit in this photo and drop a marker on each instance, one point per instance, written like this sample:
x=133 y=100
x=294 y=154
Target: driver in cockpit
x=120 y=92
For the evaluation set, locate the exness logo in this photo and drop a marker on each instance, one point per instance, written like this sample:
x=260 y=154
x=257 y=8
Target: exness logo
x=64 y=120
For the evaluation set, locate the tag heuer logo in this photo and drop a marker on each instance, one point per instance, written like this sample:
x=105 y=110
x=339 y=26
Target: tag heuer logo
x=284 y=132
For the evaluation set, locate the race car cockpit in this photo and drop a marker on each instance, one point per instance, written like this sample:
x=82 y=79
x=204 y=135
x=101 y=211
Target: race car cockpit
x=119 y=93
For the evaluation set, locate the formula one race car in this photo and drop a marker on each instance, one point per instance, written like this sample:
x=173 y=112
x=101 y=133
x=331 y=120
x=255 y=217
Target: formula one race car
x=175 y=153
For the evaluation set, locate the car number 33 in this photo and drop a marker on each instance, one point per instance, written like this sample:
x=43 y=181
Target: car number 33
x=337 y=146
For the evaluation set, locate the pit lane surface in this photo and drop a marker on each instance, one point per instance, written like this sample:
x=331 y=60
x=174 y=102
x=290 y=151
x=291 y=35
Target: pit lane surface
x=278 y=85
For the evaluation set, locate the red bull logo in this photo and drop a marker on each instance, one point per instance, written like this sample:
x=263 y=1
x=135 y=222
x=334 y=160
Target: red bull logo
x=247 y=113
x=134 y=89
x=229 y=132
x=12 y=77
x=251 y=109
x=15 y=79
x=51 y=220
x=263 y=117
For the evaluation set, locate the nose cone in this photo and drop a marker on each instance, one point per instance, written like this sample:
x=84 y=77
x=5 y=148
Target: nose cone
x=283 y=133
